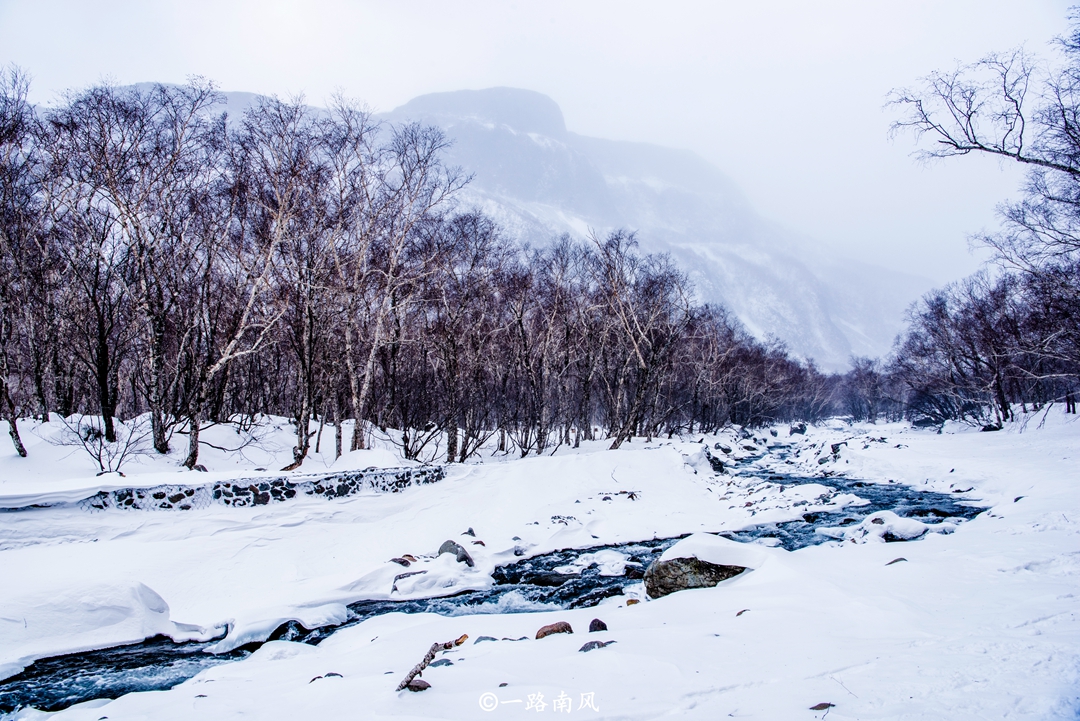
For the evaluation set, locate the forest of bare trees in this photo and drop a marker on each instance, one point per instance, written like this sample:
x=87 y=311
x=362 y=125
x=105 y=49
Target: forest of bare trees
x=163 y=262
x=1006 y=339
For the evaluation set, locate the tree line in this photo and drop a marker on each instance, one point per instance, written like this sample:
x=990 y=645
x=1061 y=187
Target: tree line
x=1008 y=337
x=162 y=261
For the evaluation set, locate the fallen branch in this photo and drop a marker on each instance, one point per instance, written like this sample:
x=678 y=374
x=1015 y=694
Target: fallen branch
x=428 y=658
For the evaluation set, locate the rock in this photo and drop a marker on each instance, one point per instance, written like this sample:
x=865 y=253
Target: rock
x=484 y=638
x=557 y=627
x=469 y=532
x=836 y=447
x=679 y=574
x=593 y=645
x=798 y=429
x=752 y=449
x=716 y=464
x=896 y=560
x=597 y=625
x=418 y=684
x=479 y=543
x=441 y=662
x=400 y=562
x=409 y=557
x=821 y=706
x=548 y=578
x=503 y=684
x=460 y=553
x=722 y=447
x=632 y=602
x=773 y=432
x=199 y=467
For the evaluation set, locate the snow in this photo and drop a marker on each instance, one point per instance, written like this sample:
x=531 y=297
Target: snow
x=719 y=551
x=978 y=623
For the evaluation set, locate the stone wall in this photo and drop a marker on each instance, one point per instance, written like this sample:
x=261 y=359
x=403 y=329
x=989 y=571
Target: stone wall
x=264 y=490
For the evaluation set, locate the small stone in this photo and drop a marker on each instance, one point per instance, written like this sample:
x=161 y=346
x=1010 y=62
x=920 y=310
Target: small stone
x=557 y=627
x=469 y=532
x=821 y=706
x=597 y=625
x=503 y=684
x=877 y=521
x=418 y=684
x=441 y=662
x=479 y=543
x=632 y=602
x=400 y=562
x=484 y=638
x=741 y=612
x=593 y=645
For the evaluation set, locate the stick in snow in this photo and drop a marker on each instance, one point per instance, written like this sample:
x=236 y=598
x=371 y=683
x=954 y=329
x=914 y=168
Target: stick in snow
x=428 y=658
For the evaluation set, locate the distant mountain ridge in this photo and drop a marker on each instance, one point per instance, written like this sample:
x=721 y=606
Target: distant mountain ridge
x=538 y=180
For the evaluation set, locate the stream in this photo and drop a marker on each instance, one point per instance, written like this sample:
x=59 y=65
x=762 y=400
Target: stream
x=533 y=584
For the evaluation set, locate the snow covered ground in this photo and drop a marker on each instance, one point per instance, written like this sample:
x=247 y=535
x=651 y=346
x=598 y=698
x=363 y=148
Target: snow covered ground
x=980 y=621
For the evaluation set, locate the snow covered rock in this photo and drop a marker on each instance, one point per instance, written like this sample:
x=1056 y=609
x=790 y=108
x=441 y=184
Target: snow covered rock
x=460 y=554
x=679 y=574
x=887 y=527
x=701 y=560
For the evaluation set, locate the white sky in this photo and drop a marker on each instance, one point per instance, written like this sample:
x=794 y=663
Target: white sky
x=785 y=96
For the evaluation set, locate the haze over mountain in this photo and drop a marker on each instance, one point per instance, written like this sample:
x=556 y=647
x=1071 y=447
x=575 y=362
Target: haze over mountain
x=540 y=180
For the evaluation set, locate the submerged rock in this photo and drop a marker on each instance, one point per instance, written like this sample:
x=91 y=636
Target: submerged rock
x=679 y=574
x=557 y=627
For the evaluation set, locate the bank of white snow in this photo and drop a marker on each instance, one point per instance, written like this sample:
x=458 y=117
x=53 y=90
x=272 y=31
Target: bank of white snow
x=978 y=623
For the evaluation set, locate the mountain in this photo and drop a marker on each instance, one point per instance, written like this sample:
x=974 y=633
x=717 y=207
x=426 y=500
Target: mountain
x=539 y=180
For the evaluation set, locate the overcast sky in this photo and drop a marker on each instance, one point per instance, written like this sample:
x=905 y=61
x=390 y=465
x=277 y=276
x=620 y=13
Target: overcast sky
x=786 y=97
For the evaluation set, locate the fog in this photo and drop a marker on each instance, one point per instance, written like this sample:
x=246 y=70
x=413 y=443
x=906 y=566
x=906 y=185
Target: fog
x=785 y=98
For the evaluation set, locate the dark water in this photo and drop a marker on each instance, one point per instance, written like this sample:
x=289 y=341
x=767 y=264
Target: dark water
x=531 y=584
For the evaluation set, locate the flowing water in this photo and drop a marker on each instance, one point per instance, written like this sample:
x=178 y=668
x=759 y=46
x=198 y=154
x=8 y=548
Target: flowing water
x=532 y=584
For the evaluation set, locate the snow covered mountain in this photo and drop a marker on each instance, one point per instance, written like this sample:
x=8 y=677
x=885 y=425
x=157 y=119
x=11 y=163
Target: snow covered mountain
x=540 y=180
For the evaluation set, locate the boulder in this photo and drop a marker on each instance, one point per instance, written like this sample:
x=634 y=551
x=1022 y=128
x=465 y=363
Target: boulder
x=797 y=429
x=557 y=627
x=597 y=625
x=679 y=574
x=418 y=684
x=700 y=560
x=460 y=553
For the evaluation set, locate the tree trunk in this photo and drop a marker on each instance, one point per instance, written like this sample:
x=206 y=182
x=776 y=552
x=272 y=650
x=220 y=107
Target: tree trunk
x=451 y=442
x=102 y=375
x=193 y=437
